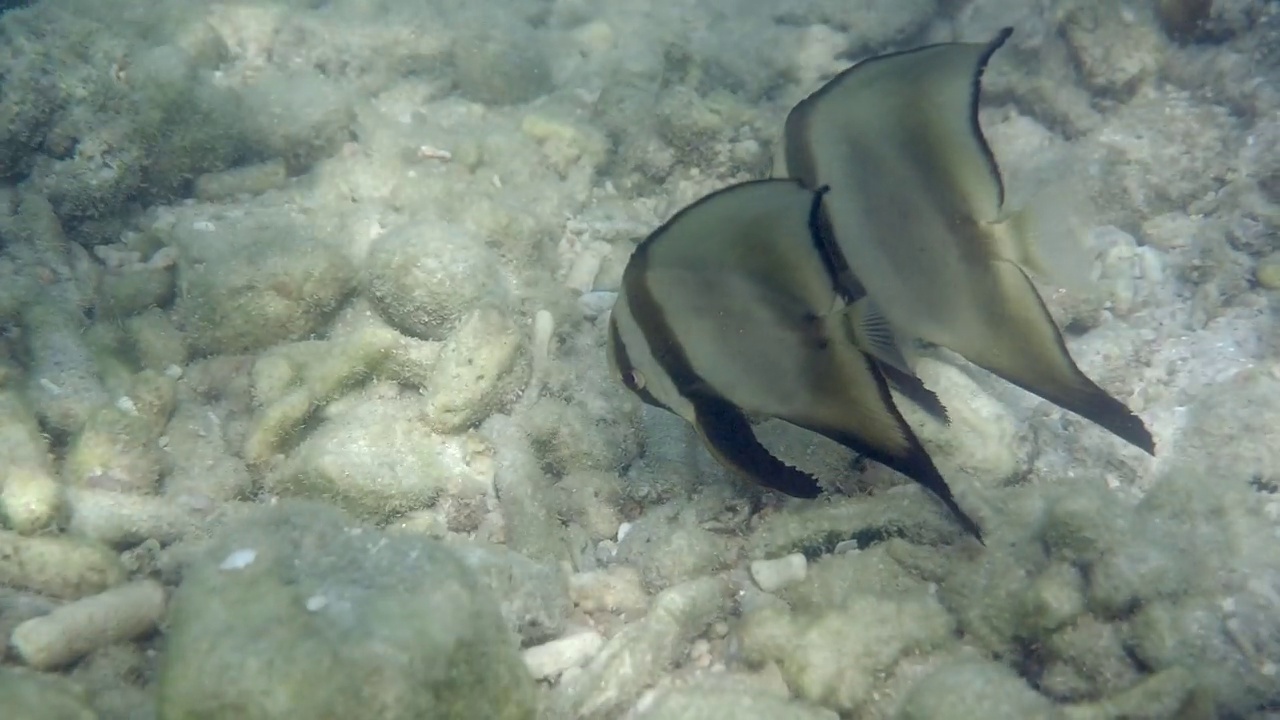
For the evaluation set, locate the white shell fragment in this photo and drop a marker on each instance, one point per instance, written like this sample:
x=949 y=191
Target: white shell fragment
x=239 y=560
x=551 y=659
x=772 y=575
x=597 y=303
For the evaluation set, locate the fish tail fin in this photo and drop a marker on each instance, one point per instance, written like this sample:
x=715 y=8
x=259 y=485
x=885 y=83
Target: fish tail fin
x=1048 y=237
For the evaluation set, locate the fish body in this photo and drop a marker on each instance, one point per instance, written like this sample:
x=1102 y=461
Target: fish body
x=731 y=310
x=916 y=210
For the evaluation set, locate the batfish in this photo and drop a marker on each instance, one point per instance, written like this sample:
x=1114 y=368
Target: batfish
x=916 y=209
x=730 y=310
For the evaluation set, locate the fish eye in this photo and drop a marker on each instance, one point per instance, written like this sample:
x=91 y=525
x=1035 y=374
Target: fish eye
x=633 y=380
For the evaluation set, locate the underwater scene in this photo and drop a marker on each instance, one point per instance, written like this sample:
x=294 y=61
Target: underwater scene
x=640 y=359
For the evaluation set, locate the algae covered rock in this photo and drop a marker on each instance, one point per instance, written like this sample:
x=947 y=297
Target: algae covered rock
x=476 y=372
x=1232 y=431
x=702 y=703
x=669 y=548
x=60 y=566
x=1115 y=598
x=834 y=658
x=292 y=382
x=299 y=116
x=29 y=695
x=1222 y=623
x=296 y=612
x=502 y=65
x=425 y=277
x=836 y=579
x=66 y=387
x=117 y=448
x=250 y=281
x=594 y=430
x=533 y=596
x=156 y=341
x=140 y=137
x=975 y=689
x=638 y=655
x=982 y=440
x=30 y=497
x=378 y=460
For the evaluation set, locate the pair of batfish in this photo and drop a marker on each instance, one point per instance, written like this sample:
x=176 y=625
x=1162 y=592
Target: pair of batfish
x=789 y=298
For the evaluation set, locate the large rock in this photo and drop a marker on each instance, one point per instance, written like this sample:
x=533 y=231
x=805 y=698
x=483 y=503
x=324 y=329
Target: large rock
x=28 y=695
x=425 y=277
x=248 y=281
x=297 y=612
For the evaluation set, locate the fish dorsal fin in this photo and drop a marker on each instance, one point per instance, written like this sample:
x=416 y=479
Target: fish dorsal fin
x=758 y=229
x=922 y=103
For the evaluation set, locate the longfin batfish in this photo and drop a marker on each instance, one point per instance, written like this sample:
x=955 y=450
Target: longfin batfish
x=724 y=312
x=916 y=207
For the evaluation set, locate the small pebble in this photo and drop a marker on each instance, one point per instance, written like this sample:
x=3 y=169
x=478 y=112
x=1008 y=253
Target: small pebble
x=772 y=575
x=550 y=660
x=617 y=590
x=239 y=559
x=1268 y=272
x=846 y=546
x=596 y=303
x=700 y=653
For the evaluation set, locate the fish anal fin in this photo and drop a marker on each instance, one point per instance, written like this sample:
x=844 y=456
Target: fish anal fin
x=728 y=435
x=851 y=405
x=1029 y=352
x=915 y=463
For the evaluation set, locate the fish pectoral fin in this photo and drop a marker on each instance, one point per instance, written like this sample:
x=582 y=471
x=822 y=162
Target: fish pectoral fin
x=867 y=327
x=1029 y=351
x=729 y=437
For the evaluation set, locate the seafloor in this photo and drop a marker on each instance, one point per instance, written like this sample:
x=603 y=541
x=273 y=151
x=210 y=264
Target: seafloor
x=305 y=411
